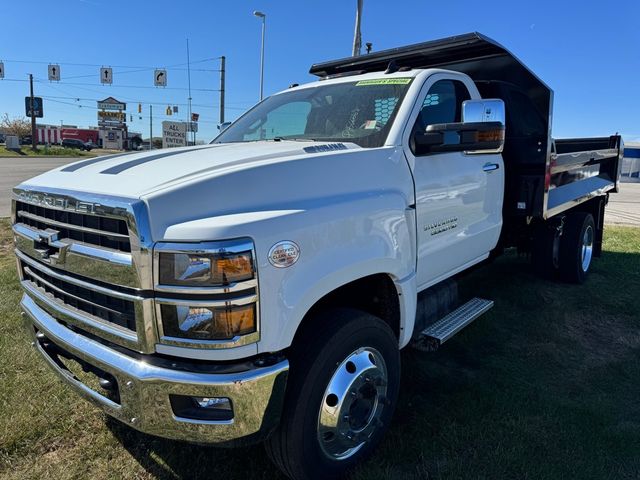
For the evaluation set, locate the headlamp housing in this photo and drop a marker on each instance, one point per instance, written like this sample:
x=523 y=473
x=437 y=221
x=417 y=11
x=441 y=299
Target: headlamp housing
x=204 y=269
x=206 y=294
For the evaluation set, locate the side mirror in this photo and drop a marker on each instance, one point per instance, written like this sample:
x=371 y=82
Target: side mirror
x=223 y=126
x=481 y=131
x=487 y=111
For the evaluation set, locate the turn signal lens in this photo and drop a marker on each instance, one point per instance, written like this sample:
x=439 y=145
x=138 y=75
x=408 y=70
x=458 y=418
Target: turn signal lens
x=490 y=136
x=233 y=268
x=208 y=323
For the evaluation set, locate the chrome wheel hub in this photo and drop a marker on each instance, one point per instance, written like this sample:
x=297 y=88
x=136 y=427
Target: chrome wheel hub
x=352 y=404
x=587 y=248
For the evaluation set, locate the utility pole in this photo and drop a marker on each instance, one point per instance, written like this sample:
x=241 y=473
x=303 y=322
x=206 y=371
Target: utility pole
x=264 y=26
x=357 y=37
x=33 y=114
x=150 y=127
x=193 y=135
x=222 y=73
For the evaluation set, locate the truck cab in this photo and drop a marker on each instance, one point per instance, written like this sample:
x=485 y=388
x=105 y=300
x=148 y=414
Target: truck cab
x=261 y=287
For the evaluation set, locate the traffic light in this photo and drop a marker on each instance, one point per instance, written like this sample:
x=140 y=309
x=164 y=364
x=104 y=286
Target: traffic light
x=139 y=108
x=169 y=111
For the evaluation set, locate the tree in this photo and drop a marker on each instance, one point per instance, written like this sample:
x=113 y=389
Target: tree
x=15 y=126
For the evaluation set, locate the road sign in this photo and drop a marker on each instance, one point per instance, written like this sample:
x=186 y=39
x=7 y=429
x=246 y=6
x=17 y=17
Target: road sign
x=195 y=117
x=37 y=107
x=54 y=73
x=174 y=134
x=106 y=75
x=160 y=78
x=1 y=70
x=192 y=127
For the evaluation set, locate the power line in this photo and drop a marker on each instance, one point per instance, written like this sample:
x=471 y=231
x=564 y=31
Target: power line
x=42 y=80
x=143 y=102
x=89 y=75
x=174 y=66
x=77 y=84
x=91 y=107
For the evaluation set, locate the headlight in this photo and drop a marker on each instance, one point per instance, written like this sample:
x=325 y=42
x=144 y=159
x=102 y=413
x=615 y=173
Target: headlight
x=199 y=270
x=208 y=323
x=207 y=294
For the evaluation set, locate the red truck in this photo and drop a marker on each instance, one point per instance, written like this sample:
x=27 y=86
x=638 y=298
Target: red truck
x=83 y=134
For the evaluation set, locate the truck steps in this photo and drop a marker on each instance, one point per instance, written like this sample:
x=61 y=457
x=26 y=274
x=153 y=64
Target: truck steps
x=439 y=332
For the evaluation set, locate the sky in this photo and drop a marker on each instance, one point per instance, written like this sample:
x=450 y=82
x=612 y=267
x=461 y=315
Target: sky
x=587 y=51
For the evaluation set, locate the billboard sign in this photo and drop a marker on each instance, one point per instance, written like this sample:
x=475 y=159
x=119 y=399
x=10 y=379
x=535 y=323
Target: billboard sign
x=111 y=117
x=111 y=103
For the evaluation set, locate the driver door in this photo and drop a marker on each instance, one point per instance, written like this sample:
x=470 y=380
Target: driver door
x=458 y=195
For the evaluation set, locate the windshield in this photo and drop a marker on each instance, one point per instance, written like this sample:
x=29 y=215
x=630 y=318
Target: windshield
x=360 y=112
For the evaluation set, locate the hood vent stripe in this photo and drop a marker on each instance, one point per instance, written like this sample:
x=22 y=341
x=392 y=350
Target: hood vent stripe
x=79 y=165
x=139 y=161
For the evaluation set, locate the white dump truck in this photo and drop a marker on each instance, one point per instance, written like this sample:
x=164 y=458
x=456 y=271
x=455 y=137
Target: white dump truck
x=261 y=287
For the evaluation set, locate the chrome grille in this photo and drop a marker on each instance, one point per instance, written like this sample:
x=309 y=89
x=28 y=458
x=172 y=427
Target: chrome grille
x=89 y=229
x=108 y=308
x=86 y=260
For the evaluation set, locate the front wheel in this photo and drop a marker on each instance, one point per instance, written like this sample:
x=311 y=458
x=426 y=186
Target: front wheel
x=343 y=387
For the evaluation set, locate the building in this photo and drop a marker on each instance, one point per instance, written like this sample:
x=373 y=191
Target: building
x=631 y=162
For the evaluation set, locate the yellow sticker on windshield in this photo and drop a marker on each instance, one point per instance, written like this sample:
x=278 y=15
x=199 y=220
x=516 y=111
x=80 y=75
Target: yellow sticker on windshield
x=384 y=81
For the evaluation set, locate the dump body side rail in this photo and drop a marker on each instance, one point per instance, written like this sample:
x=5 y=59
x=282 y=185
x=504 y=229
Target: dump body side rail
x=575 y=176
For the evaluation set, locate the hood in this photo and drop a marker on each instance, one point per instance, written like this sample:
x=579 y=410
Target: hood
x=135 y=175
x=223 y=190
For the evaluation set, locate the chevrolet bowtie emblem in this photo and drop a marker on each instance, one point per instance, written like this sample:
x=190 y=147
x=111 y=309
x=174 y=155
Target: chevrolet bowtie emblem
x=50 y=248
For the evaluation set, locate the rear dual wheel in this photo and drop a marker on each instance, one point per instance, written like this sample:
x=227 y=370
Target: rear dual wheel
x=576 y=247
x=569 y=255
x=342 y=389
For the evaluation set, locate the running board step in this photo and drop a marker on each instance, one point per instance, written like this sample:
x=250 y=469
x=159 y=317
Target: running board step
x=436 y=334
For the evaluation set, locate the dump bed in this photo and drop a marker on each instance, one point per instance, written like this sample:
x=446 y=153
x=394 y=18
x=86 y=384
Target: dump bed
x=542 y=177
x=581 y=168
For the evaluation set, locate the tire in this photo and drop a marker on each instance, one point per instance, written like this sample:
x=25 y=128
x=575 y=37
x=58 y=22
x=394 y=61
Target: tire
x=349 y=347
x=576 y=247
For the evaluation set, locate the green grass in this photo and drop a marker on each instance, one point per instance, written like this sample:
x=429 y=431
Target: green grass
x=545 y=386
x=44 y=151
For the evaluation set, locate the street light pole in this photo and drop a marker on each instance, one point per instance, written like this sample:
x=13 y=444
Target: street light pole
x=150 y=127
x=357 y=37
x=264 y=26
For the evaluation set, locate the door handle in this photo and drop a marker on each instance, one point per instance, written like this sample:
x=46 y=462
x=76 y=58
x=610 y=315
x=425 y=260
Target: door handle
x=490 y=167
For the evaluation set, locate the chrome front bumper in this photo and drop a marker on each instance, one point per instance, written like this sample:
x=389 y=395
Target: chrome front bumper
x=256 y=394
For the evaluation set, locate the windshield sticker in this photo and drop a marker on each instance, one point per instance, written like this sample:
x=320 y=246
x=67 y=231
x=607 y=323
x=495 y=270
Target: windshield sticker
x=384 y=81
x=370 y=124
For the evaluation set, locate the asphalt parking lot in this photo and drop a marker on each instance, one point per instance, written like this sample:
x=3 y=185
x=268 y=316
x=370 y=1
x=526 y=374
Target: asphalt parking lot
x=16 y=170
x=624 y=207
